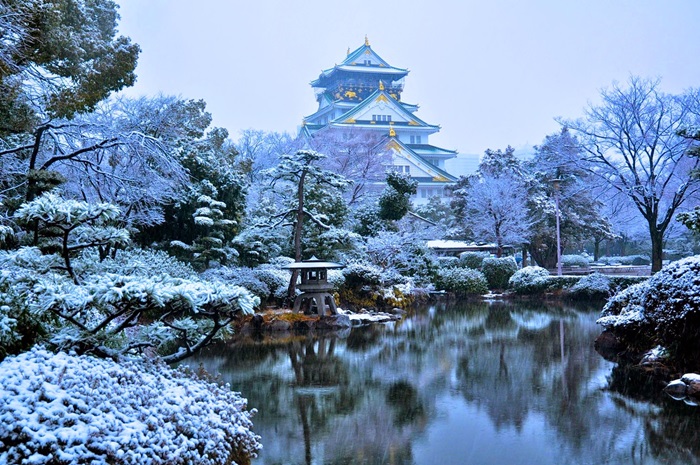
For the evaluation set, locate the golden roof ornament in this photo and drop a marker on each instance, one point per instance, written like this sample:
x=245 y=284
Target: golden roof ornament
x=392 y=133
x=381 y=85
x=366 y=40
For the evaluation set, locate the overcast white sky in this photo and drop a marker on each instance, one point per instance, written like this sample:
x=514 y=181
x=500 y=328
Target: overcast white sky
x=490 y=72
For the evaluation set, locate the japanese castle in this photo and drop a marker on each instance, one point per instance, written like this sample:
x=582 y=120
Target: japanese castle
x=364 y=92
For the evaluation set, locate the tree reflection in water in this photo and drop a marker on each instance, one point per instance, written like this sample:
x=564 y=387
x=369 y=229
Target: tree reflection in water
x=474 y=383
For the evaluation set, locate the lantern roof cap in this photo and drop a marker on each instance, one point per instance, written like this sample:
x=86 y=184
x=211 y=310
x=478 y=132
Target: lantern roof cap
x=314 y=263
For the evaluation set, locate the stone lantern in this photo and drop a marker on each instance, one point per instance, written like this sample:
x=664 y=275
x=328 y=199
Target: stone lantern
x=316 y=291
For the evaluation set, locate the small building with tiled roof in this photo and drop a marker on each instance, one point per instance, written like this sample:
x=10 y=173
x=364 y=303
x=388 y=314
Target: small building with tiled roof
x=364 y=93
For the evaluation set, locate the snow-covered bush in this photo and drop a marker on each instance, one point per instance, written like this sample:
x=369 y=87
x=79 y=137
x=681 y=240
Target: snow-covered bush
x=595 y=285
x=574 y=260
x=60 y=408
x=276 y=279
x=461 y=281
x=637 y=260
x=336 y=278
x=529 y=280
x=239 y=276
x=20 y=271
x=359 y=274
x=401 y=252
x=609 y=260
x=665 y=310
x=447 y=262
x=472 y=260
x=498 y=271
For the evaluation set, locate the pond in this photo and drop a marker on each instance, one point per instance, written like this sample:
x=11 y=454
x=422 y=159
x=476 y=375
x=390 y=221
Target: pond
x=473 y=383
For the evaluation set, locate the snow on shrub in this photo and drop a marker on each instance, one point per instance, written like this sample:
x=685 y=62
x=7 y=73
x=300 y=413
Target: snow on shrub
x=239 y=276
x=362 y=274
x=636 y=260
x=625 y=307
x=665 y=308
x=529 y=280
x=472 y=260
x=672 y=301
x=498 y=271
x=336 y=278
x=66 y=409
x=592 y=286
x=461 y=281
x=574 y=260
x=276 y=279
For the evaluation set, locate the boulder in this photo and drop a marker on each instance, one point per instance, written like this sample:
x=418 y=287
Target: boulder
x=333 y=322
x=279 y=325
x=676 y=389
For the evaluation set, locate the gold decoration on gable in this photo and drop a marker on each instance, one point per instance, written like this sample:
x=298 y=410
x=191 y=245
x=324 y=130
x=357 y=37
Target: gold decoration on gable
x=440 y=179
x=381 y=98
x=394 y=146
x=413 y=123
x=350 y=121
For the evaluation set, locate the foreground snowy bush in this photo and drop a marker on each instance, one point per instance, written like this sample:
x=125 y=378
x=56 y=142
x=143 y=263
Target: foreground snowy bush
x=529 y=280
x=665 y=310
x=64 y=409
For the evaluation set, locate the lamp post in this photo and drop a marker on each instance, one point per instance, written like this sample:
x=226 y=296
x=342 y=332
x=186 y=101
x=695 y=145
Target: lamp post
x=555 y=183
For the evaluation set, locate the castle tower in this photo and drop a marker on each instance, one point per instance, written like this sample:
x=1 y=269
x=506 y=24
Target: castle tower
x=364 y=92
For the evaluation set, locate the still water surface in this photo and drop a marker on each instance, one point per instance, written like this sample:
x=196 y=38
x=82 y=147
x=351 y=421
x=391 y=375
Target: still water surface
x=478 y=383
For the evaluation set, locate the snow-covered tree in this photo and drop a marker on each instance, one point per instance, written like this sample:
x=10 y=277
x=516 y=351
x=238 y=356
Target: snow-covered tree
x=59 y=58
x=631 y=142
x=295 y=171
x=497 y=210
x=71 y=226
x=553 y=172
x=110 y=313
x=360 y=156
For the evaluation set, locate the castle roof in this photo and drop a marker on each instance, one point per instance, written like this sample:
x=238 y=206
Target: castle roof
x=362 y=60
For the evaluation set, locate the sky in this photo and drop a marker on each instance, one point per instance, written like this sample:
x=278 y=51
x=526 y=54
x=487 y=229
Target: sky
x=491 y=73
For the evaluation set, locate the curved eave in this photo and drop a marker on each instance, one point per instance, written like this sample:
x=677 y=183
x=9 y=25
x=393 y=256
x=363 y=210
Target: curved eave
x=360 y=69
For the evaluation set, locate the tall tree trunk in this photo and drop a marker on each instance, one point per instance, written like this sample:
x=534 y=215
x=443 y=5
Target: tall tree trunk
x=657 y=250
x=596 y=248
x=298 y=226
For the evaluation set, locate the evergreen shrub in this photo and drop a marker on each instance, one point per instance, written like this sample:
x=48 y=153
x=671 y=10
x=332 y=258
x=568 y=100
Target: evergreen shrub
x=472 y=260
x=362 y=274
x=529 y=280
x=498 y=271
x=593 y=286
x=62 y=408
x=636 y=260
x=575 y=260
x=461 y=281
x=562 y=282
